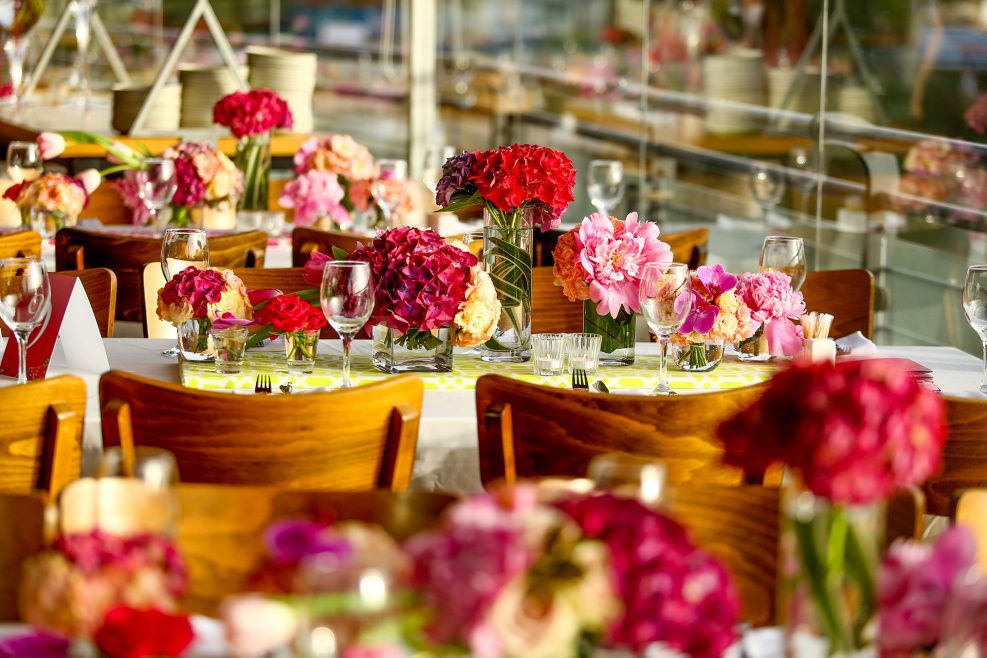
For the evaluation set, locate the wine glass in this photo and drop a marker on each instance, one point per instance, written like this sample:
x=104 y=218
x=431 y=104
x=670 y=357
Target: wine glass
x=782 y=253
x=666 y=299
x=435 y=157
x=767 y=186
x=804 y=161
x=82 y=10
x=182 y=248
x=25 y=302
x=975 y=309
x=17 y=17
x=24 y=161
x=388 y=188
x=156 y=185
x=629 y=476
x=347 y=297
x=606 y=184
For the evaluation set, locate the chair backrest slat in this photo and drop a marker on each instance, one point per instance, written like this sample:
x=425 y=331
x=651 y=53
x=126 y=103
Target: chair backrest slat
x=20 y=244
x=847 y=295
x=305 y=240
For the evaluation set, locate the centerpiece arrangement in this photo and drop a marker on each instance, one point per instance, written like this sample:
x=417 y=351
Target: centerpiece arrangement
x=209 y=185
x=773 y=306
x=299 y=322
x=852 y=434
x=53 y=201
x=520 y=187
x=251 y=116
x=600 y=263
x=332 y=182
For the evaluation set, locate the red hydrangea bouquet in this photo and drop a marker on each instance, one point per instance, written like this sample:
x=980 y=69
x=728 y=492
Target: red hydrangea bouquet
x=298 y=321
x=853 y=434
x=251 y=116
x=333 y=179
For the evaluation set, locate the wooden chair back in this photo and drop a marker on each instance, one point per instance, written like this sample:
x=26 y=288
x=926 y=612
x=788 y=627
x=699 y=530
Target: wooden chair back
x=552 y=312
x=20 y=244
x=305 y=240
x=101 y=289
x=126 y=255
x=527 y=430
x=23 y=519
x=690 y=247
x=739 y=525
x=41 y=434
x=970 y=510
x=847 y=295
x=352 y=439
x=964 y=460
x=152 y=280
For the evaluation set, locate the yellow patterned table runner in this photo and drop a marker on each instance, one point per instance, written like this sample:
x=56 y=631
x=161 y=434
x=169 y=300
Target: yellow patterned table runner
x=730 y=373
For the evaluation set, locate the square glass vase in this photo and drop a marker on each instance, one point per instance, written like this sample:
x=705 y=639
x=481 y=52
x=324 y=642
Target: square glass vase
x=415 y=351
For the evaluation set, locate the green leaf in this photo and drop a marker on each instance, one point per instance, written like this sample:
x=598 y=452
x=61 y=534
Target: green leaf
x=259 y=336
x=462 y=201
x=339 y=254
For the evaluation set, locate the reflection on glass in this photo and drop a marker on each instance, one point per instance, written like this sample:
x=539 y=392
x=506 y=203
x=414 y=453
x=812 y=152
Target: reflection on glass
x=767 y=184
x=782 y=253
x=606 y=184
x=975 y=309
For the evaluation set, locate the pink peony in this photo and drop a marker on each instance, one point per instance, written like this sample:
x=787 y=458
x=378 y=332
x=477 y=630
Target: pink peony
x=614 y=254
x=774 y=305
x=315 y=194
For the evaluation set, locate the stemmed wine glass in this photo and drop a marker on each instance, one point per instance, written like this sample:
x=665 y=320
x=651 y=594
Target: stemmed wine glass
x=388 y=188
x=767 y=186
x=782 y=253
x=156 y=185
x=83 y=12
x=24 y=161
x=347 y=297
x=975 y=309
x=17 y=17
x=606 y=184
x=435 y=157
x=25 y=302
x=181 y=248
x=666 y=299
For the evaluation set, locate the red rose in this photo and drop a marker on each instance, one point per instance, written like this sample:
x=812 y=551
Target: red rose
x=290 y=313
x=14 y=191
x=131 y=633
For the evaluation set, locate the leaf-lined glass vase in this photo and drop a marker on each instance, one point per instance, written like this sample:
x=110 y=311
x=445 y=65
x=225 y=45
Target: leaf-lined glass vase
x=507 y=247
x=414 y=351
x=253 y=158
x=617 y=334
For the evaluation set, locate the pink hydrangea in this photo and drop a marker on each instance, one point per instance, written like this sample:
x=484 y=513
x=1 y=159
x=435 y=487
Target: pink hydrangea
x=127 y=187
x=313 y=195
x=856 y=431
x=613 y=254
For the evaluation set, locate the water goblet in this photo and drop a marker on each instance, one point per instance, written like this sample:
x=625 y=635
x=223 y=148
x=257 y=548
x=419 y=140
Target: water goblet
x=975 y=310
x=182 y=248
x=82 y=11
x=24 y=161
x=606 y=184
x=25 y=302
x=388 y=188
x=767 y=185
x=17 y=17
x=435 y=157
x=666 y=299
x=347 y=297
x=156 y=185
x=783 y=253
x=629 y=476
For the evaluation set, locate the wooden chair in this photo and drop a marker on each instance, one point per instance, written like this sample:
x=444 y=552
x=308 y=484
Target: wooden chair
x=20 y=244
x=352 y=439
x=964 y=461
x=41 y=434
x=101 y=289
x=690 y=247
x=527 y=430
x=848 y=295
x=970 y=510
x=126 y=255
x=552 y=312
x=23 y=519
x=305 y=240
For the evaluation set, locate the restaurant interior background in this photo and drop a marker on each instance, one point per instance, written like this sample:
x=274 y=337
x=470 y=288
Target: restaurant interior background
x=717 y=108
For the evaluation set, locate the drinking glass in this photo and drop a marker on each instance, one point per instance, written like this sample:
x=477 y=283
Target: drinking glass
x=24 y=161
x=666 y=299
x=782 y=253
x=82 y=10
x=17 y=17
x=182 y=248
x=975 y=309
x=230 y=344
x=548 y=354
x=388 y=188
x=767 y=186
x=156 y=185
x=606 y=184
x=435 y=157
x=584 y=352
x=347 y=297
x=25 y=302
x=629 y=476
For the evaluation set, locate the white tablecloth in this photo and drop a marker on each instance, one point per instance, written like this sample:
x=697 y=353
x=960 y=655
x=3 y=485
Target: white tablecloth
x=447 y=455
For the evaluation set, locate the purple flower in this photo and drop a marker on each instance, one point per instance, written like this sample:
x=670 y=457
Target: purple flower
x=291 y=541
x=455 y=178
x=712 y=281
x=702 y=317
x=38 y=644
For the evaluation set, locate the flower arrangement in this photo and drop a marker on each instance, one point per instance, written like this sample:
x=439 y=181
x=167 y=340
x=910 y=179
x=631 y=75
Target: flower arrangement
x=509 y=576
x=251 y=116
x=299 y=321
x=338 y=156
x=313 y=195
x=204 y=176
x=142 y=633
x=773 y=305
x=60 y=196
x=852 y=433
x=207 y=295
x=942 y=171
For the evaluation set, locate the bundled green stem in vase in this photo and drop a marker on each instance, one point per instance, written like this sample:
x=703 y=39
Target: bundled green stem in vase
x=616 y=333
x=509 y=264
x=253 y=158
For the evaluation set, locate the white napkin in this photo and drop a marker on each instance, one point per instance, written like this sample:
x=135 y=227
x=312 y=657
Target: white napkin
x=857 y=344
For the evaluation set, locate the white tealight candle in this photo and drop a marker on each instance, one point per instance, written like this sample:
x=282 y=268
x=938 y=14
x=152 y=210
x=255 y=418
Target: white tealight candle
x=579 y=363
x=819 y=350
x=547 y=364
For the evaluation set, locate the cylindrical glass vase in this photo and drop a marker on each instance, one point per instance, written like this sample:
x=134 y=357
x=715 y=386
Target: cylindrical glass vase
x=415 y=351
x=300 y=348
x=48 y=222
x=617 y=334
x=508 y=241
x=253 y=158
x=754 y=348
x=194 y=341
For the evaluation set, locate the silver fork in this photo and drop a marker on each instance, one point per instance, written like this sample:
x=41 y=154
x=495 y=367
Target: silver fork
x=262 y=384
x=579 y=380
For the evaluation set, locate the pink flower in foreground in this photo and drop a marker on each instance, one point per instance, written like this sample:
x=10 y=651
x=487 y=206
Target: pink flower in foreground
x=614 y=254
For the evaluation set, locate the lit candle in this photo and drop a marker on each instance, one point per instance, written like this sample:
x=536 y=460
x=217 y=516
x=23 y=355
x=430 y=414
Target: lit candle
x=547 y=364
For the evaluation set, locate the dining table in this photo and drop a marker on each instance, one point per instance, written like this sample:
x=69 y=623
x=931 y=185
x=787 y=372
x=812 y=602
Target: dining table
x=447 y=458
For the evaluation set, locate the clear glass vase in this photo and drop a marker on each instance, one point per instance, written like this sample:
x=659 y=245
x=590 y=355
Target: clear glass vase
x=617 y=334
x=508 y=241
x=253 y=158
x=415 y=351
x=696 y=356
x=754 y=348
x=827 y=585
x=194 y=341
x=47 y=222
x=300 y=348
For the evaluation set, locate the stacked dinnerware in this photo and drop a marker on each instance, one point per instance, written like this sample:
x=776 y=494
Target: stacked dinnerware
x=856 y=100
x=164 y=115
x=202 y=87
x=736 y=77
x=290 y=74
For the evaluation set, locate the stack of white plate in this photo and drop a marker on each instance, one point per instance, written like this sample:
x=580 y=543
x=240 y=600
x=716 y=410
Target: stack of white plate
x=735 y=77
x=290 y=74
x=202 y=88
x=163 y=115
x=857 y=101
x=804 y=98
